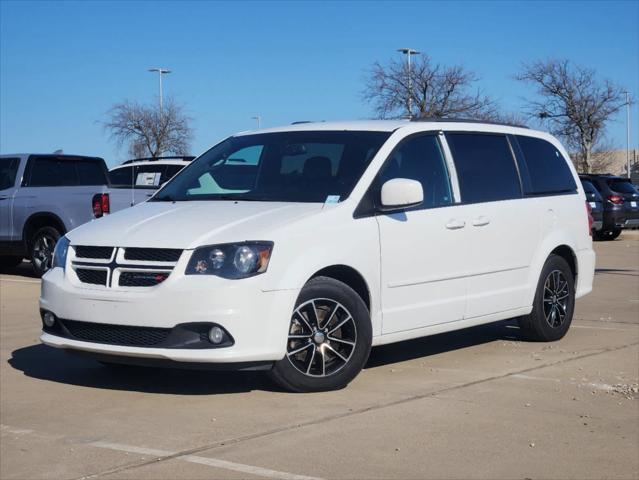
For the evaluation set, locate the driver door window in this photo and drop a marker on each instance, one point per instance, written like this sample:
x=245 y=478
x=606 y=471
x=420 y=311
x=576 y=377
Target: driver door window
x=420 y=158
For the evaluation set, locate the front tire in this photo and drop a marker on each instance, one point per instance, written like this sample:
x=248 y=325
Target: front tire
x=329 y=338
x=553 y=305
x=42 y=246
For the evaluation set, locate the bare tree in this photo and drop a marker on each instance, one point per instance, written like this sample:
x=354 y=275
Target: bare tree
x=574 y=105
x=148 y=131
x=602 y=159
x=435 y=91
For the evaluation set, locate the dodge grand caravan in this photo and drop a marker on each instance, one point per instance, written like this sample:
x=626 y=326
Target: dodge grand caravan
x=296 y=249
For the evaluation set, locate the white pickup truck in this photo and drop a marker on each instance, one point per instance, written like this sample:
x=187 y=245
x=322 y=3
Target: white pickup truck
x=135 y=181
x=43 y=196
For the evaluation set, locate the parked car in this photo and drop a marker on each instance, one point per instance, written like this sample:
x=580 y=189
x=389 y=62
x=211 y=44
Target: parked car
x=296 y=249
x=41 y=198
x=135 y=181
x=621 y=204
x=596 y=206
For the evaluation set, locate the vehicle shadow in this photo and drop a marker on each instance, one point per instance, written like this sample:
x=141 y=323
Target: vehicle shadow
x=51 y=364
x=443 y=342
x=23 y=270
x=617 y=271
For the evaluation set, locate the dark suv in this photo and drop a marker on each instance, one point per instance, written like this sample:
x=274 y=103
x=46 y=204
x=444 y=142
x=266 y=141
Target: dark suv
x=620 y=202
x=594 y=199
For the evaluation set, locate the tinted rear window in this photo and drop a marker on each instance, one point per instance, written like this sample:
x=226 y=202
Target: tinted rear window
x=8 y=171
x=547 y=168
x=622 y=186
x=122 y=177
x=90 y=172
x=50 y=172
x=485 y=167
x=58 y=172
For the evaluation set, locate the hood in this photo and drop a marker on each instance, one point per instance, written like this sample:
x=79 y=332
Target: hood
x=190 y=224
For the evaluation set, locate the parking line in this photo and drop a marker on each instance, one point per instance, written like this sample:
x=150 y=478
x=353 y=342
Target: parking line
x=4 y=279
x=599 y=328
x=211 y=462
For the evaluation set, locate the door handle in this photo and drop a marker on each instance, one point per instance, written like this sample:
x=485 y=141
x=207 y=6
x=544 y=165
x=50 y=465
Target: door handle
x=3 y=197
x=455 y=224
x=481 y=221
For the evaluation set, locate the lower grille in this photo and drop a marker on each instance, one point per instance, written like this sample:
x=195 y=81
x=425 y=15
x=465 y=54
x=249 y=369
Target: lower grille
x=142 y=279
x=117 y=334
x=94 y=277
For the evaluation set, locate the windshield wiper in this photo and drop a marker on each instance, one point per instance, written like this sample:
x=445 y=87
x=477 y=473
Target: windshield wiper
x=163 y=198
x=238 y=198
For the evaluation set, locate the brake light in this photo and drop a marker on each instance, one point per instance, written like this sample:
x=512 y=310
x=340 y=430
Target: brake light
x=590 y=219
x=615 y=199
x=101 y=204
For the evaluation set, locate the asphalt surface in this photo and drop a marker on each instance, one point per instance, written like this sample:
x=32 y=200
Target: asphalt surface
x=477 y=403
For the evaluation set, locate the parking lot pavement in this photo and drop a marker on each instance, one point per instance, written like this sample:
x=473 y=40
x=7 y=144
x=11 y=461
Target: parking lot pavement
x=478 y=403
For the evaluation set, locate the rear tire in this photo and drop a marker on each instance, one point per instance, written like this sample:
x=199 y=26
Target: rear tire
x=605 y=235
x=42 y=245
x=7 y=262
x=554 y=303
x=329 y=340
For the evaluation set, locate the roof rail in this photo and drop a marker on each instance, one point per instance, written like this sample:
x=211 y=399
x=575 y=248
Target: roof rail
x=186 y=158
x=465 y=120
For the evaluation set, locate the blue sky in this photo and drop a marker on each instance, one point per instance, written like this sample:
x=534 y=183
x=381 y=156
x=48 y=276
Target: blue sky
x=63 y=64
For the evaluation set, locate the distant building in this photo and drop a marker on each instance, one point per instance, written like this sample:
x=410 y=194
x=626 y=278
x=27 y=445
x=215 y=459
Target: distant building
x=614 y=162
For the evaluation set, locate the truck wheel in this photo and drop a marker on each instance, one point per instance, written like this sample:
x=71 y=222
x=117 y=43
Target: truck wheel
x=604 y=235
x=42 y=247
x=9 y=261
x=329 y=338
x=553 y=305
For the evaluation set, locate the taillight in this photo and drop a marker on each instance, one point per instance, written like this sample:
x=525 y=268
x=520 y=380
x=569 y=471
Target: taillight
x=101 y=204
x=616 y=199
x=590 y=219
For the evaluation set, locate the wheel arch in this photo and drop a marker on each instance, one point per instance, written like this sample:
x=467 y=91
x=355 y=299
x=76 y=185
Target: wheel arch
x=556 y=245
x=351 y=277
x=39 y=220
x=568 y=254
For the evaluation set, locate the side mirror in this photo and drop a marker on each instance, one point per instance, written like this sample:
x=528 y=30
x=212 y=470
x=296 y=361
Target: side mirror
x=400 y=193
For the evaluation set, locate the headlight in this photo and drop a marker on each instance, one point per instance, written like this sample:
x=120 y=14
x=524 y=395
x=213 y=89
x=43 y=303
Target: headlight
x=231 y=260
x=60 y=253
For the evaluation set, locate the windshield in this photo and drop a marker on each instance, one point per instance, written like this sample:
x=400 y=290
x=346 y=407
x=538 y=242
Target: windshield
x=303 y=166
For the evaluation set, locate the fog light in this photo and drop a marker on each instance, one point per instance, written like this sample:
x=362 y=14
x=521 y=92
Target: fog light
x=48 y=318
x=216 y=335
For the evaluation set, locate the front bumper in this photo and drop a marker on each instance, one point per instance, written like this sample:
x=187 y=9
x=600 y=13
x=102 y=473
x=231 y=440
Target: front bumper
x=257 y=320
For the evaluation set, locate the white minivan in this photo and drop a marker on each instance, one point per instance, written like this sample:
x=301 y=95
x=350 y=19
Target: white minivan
x=296 y=249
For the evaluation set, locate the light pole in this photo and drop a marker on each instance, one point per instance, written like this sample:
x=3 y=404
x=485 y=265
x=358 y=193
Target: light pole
x=408 y=52
x=628 y=132
x=258 y=119
x=160 y=71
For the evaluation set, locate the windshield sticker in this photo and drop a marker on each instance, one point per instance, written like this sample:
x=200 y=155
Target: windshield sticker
x=332 y=199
